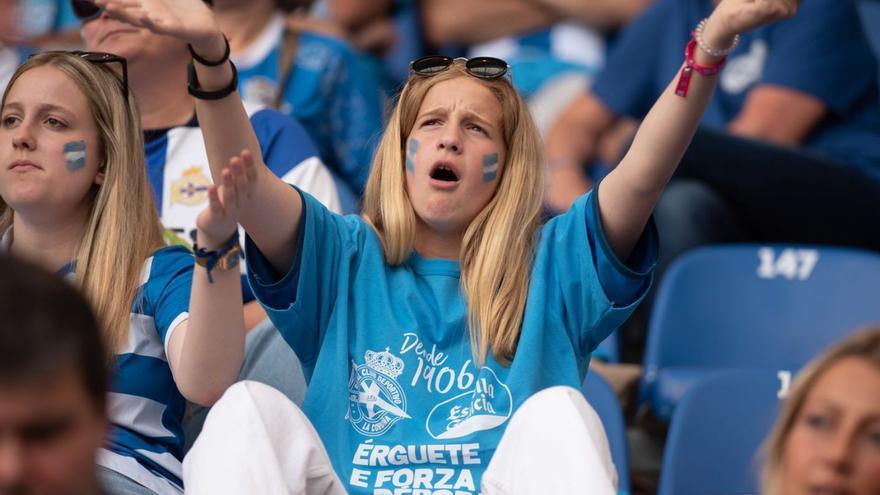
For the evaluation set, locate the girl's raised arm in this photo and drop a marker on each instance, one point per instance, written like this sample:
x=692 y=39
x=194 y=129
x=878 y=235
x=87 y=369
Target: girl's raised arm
x=629 y=193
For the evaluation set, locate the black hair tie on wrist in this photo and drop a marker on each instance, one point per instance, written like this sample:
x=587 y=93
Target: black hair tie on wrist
x=195 y=90
x=210 y=63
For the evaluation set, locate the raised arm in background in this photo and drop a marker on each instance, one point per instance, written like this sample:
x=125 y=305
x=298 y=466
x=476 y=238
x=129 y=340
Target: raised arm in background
x=778 y=115
x=353 y=14
x=465 y=22
x=600 y=14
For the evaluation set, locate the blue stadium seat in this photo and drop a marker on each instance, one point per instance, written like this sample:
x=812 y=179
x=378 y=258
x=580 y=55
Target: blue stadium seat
x=716 y=434
x=600 y=395
x=752 y=307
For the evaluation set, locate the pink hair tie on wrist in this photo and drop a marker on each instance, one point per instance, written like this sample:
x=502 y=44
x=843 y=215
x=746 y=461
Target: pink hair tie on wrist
x=691 y=65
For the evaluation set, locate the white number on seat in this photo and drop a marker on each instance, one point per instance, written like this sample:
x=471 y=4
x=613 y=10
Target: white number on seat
x=791 y=263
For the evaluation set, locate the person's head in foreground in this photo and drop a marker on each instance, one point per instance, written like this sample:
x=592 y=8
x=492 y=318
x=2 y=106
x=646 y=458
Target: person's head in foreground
x=52 y=383
x=457 y=175
x=71 y=162
x=827 y=438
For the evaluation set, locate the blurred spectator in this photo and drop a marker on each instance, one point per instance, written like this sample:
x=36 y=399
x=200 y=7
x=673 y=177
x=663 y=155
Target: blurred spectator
x=827 y=437
x=310 y=75
x=796 y=157
x=12 y=51
x=788 y=149
x=177 y=163
x=53 y=381
x=388 y=33
x=367 y=22
x=47 y=24
x=554 y=47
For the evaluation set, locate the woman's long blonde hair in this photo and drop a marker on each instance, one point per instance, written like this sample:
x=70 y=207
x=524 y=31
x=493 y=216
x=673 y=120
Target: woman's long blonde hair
x=123 y=228
x=864 y=345
x=498 y=247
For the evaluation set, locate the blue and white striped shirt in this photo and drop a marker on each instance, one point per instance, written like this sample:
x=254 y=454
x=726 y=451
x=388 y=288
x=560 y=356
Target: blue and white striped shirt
x=144 y=404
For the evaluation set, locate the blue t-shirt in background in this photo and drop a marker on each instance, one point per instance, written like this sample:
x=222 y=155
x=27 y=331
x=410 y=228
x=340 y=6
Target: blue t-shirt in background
x=329 y=92
x=537 y=58
x=393 y=389
x=822 y=52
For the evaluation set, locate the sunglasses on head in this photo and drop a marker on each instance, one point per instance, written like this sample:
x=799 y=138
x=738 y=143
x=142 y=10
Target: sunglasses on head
x=85 y=11
x=100 y=58
x=482 y=67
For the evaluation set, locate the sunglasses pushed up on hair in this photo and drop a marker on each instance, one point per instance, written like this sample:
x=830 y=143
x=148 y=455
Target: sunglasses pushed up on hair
x=85 y=10
x=480 y=67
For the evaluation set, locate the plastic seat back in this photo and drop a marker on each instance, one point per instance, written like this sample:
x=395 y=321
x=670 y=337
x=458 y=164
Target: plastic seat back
x=603 y=399
x=716 y=435
x=753 y=307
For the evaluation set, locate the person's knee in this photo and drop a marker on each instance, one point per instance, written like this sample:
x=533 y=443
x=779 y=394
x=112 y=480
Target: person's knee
x=571 y=433
x=252 y=390
x=555 y=400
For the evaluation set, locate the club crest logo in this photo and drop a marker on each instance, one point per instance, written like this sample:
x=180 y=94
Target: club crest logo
x=191 y=189
x=375 y=399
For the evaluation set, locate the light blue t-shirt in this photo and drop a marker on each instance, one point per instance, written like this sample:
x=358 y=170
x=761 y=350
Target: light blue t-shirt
x=393 y=390
x=36 y=18
x=335 y=98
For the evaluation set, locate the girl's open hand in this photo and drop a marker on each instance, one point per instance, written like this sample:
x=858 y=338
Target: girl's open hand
x=218 y=221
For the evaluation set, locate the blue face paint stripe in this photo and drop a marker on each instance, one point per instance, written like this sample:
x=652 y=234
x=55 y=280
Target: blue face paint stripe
x=75 y=153
x=75 y=146
x=412 y=148
x=490 y=167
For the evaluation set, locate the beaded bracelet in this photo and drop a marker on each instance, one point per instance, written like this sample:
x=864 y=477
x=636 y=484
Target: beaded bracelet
x=698 y=35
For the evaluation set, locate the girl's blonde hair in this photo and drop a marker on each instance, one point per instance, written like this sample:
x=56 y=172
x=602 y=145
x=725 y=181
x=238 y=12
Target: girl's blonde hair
x=498 y=247
x=864 y=345
x=123 y=228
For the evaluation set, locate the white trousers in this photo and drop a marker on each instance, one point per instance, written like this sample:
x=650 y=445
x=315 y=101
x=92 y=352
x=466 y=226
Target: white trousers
x=255 y=440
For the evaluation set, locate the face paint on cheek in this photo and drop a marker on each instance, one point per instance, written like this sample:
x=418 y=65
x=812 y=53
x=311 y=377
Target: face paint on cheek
x=490 y=167
x=75 y=153
x=411 y=149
